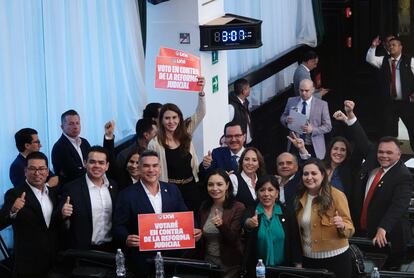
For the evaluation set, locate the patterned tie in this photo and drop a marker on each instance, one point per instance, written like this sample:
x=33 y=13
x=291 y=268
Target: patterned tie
x=393 y=74
x=363 y=219
x=234 y=163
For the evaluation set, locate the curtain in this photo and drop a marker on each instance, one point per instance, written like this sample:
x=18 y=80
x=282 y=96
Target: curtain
x=57 y=55
x=286 y=23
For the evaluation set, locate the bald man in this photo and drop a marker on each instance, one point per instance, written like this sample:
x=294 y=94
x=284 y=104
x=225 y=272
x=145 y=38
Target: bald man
x=318 y=119
x=287 y=170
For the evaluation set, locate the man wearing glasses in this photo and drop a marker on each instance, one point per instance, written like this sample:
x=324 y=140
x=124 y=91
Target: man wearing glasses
x=31 y=210
x=27 y=141
x=226 y=158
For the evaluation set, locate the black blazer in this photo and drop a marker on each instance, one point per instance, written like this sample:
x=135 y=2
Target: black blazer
x=35 y=245
x=66 y=161
x=388 y=208
x=80 y=228
x=293 y=247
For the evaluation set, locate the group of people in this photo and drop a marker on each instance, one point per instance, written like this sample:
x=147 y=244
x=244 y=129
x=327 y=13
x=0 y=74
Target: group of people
x=303 y=216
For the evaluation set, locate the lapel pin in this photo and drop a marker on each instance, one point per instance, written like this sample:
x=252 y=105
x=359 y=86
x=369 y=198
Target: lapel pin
x=165 y=190
x=283 y=220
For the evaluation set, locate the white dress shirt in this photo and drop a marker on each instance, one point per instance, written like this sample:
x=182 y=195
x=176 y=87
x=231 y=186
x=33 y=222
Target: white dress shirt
x=76 y=143
x=45 y=202
x=156 y=201
x=248 y=181
x=372 y=176
x=101 y=205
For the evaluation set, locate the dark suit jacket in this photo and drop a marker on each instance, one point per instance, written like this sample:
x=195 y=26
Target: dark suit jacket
x=290 y=189
x=80 y=230
x=221 y=159
x=231 y=249
x=293 y=247
x=389 y=204
x=66 y=161
x=35 y=245
x=132 y=201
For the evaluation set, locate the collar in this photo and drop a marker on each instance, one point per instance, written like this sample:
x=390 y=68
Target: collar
x=304 y=197
x=277 y=210
x=37 y=190
x=386 y=169
x=396 y=59
x=308 y=102
x=306 y=67
x=91 y=185
x=241 y=101
x=247 y=178
x=238 y=154
x=77 y=141
x=146 y=189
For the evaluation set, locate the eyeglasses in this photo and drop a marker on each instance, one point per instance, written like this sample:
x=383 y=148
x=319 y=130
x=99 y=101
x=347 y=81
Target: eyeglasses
x=35 y=142
x=33 y=170
x=236 y=136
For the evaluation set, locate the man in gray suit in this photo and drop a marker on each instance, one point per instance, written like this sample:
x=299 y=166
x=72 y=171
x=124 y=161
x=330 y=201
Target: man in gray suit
x=317 y=115
x=309 y=62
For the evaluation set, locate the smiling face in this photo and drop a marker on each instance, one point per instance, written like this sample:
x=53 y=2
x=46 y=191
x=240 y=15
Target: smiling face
x=395 y=48
x=234 y=138
x=388 y=154
x=286 y=165
x=267 y=195
x=149 y=168
x=250 y=163
x=217 y=188
x=170 y=121
x=338 y=152
x=132 y=166
x=312 y=178
x=96 y=166
x=36 y=172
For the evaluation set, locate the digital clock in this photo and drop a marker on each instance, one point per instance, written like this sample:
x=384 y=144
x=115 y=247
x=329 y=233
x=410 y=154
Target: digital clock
x=230 y=32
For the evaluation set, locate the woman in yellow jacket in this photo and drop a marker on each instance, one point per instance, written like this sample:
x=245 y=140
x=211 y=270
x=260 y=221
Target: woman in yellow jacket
x=325 y=223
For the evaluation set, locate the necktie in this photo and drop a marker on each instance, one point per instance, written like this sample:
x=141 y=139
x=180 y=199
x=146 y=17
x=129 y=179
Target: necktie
x=393 y=73
x=304 y=108
x=234 y=163
x=363 y=219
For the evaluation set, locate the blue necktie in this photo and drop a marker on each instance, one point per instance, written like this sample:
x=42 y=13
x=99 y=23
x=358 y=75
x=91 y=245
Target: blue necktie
x=303 y=135
x=304 y=107
x=234 y=163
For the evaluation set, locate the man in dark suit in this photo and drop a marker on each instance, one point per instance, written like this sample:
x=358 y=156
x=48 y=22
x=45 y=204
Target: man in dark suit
x=239 y=107
x=148 y=195
x=226 y=158
x=381 y=194
x=31 y=209
x=317 y=115
x=27 y=141
x=396 y=87
x=88 y=205
x=287 y=170
x=309 y=61
x=69 y=152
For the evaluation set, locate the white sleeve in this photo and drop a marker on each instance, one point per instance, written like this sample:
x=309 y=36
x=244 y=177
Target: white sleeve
x=351 y=121
x=235 y=183
x=231 y=112
x=376 y=61
x=412 y=65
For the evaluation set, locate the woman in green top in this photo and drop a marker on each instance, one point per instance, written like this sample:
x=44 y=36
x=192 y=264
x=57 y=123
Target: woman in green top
x=271 y=229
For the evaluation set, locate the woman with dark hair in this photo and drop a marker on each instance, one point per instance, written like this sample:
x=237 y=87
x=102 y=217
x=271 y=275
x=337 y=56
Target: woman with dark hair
x=129 y=173
x=337 y=161
x=325 y=222
x=178 y=159
x=271 y=228
x=220 y=219
x=251 y=167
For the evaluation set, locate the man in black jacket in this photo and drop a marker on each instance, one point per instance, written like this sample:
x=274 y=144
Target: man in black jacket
x=239 y=107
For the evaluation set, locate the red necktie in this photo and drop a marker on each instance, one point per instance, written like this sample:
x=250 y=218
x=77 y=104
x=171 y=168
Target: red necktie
x=393 y=72
x=363 y=220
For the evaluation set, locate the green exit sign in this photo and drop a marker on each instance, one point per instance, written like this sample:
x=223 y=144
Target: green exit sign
x=215 y=84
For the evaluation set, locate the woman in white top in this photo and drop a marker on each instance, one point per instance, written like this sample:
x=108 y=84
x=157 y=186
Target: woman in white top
x=325 y=223
x=251 y=167
x=173 y=143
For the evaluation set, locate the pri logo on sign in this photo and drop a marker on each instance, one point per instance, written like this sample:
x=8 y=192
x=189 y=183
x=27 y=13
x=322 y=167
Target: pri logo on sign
x=166 y=231
x=177 y=70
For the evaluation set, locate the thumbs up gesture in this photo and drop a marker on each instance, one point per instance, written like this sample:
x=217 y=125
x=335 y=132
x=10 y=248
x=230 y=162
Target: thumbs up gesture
x=253 y=222
x=207 y=159
x=338 y=221
x=19 y=203
x=216 y=219
x=67 y=208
